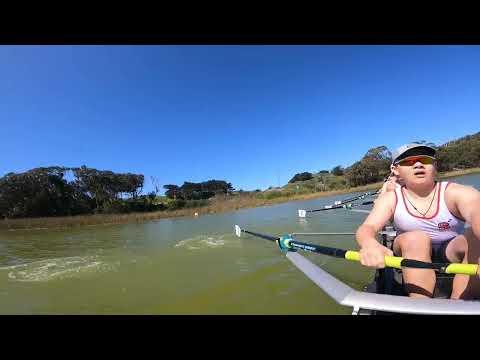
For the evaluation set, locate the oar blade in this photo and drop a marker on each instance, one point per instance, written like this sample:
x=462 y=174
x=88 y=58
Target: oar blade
x=302 y=213
x=238 y=231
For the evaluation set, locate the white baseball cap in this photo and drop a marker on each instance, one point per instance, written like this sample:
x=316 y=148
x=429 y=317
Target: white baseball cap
x=411 y=150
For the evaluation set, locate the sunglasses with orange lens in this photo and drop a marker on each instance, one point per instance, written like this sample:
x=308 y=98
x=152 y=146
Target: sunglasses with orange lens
x=410 y=161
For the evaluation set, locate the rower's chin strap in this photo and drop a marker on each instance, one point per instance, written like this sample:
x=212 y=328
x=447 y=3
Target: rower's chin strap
x=284 y=243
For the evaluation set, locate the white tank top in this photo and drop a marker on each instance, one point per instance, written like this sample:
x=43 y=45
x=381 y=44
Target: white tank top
x=440 y=227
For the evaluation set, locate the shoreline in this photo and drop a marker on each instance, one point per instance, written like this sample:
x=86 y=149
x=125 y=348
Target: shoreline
x=234 y=203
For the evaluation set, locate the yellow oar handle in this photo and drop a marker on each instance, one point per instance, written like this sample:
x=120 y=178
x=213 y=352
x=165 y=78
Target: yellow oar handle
x=393 y=261
x=396 y=262
x=352 y=255
x=390 y=261
x=465 y=269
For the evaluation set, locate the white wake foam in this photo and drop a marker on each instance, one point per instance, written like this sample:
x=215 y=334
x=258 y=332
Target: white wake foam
x=58 y=268
x=207 y=241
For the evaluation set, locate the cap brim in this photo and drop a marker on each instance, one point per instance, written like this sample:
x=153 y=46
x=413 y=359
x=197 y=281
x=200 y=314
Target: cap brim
x=415 y=151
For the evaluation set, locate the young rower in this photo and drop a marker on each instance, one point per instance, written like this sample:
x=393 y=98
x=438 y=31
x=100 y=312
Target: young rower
x=429 y=217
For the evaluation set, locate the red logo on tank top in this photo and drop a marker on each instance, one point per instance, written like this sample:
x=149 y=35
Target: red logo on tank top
x=443 y=226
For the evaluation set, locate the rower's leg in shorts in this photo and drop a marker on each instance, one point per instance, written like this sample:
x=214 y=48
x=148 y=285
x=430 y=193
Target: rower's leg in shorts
x=416 y=245
x=466 y=249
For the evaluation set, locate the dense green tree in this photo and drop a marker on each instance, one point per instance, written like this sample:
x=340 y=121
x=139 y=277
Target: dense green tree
x=373 y=167
x=338 y=170
x=173 y=192
x=107 y=186
x=198 y=191
x=301 y=177
x=459 y=154
x=40 y=192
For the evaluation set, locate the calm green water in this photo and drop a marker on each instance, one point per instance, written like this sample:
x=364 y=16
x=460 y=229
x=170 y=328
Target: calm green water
x=177 y=266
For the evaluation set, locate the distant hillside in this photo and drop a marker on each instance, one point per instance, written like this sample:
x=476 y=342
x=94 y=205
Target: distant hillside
x=462 y=153
x=458 y=154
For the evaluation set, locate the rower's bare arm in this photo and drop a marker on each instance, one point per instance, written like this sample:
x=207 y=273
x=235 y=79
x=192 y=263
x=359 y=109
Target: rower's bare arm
x=382 y=212
x=466 y=200
x=383 y=190
x=372 y=253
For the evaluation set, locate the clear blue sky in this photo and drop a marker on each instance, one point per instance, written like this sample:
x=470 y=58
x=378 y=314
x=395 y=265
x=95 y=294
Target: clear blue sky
x=251 y=115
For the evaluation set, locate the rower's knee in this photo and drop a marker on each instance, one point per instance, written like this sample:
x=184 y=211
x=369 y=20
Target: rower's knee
x=457 y=249
x=472 y=246
x=416 y=245
x=468 y=287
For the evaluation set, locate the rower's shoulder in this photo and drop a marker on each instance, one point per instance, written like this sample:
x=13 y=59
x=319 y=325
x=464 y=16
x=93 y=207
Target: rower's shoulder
x=453 y=187
x=383 y=209
x=454 y=190
x=387 y=198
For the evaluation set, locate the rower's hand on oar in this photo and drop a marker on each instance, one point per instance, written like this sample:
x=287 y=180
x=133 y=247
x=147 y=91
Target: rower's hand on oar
x=373 y=254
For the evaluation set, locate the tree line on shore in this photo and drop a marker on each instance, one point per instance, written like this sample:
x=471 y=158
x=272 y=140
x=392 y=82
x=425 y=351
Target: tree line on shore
x=45 y=191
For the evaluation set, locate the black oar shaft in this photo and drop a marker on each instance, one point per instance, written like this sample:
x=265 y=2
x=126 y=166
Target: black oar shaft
x=353 y=198
x=263 y=236
x=327 y=208
x=339 y=206
x=358 y=197
x=324 y=250
x=423 y=265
